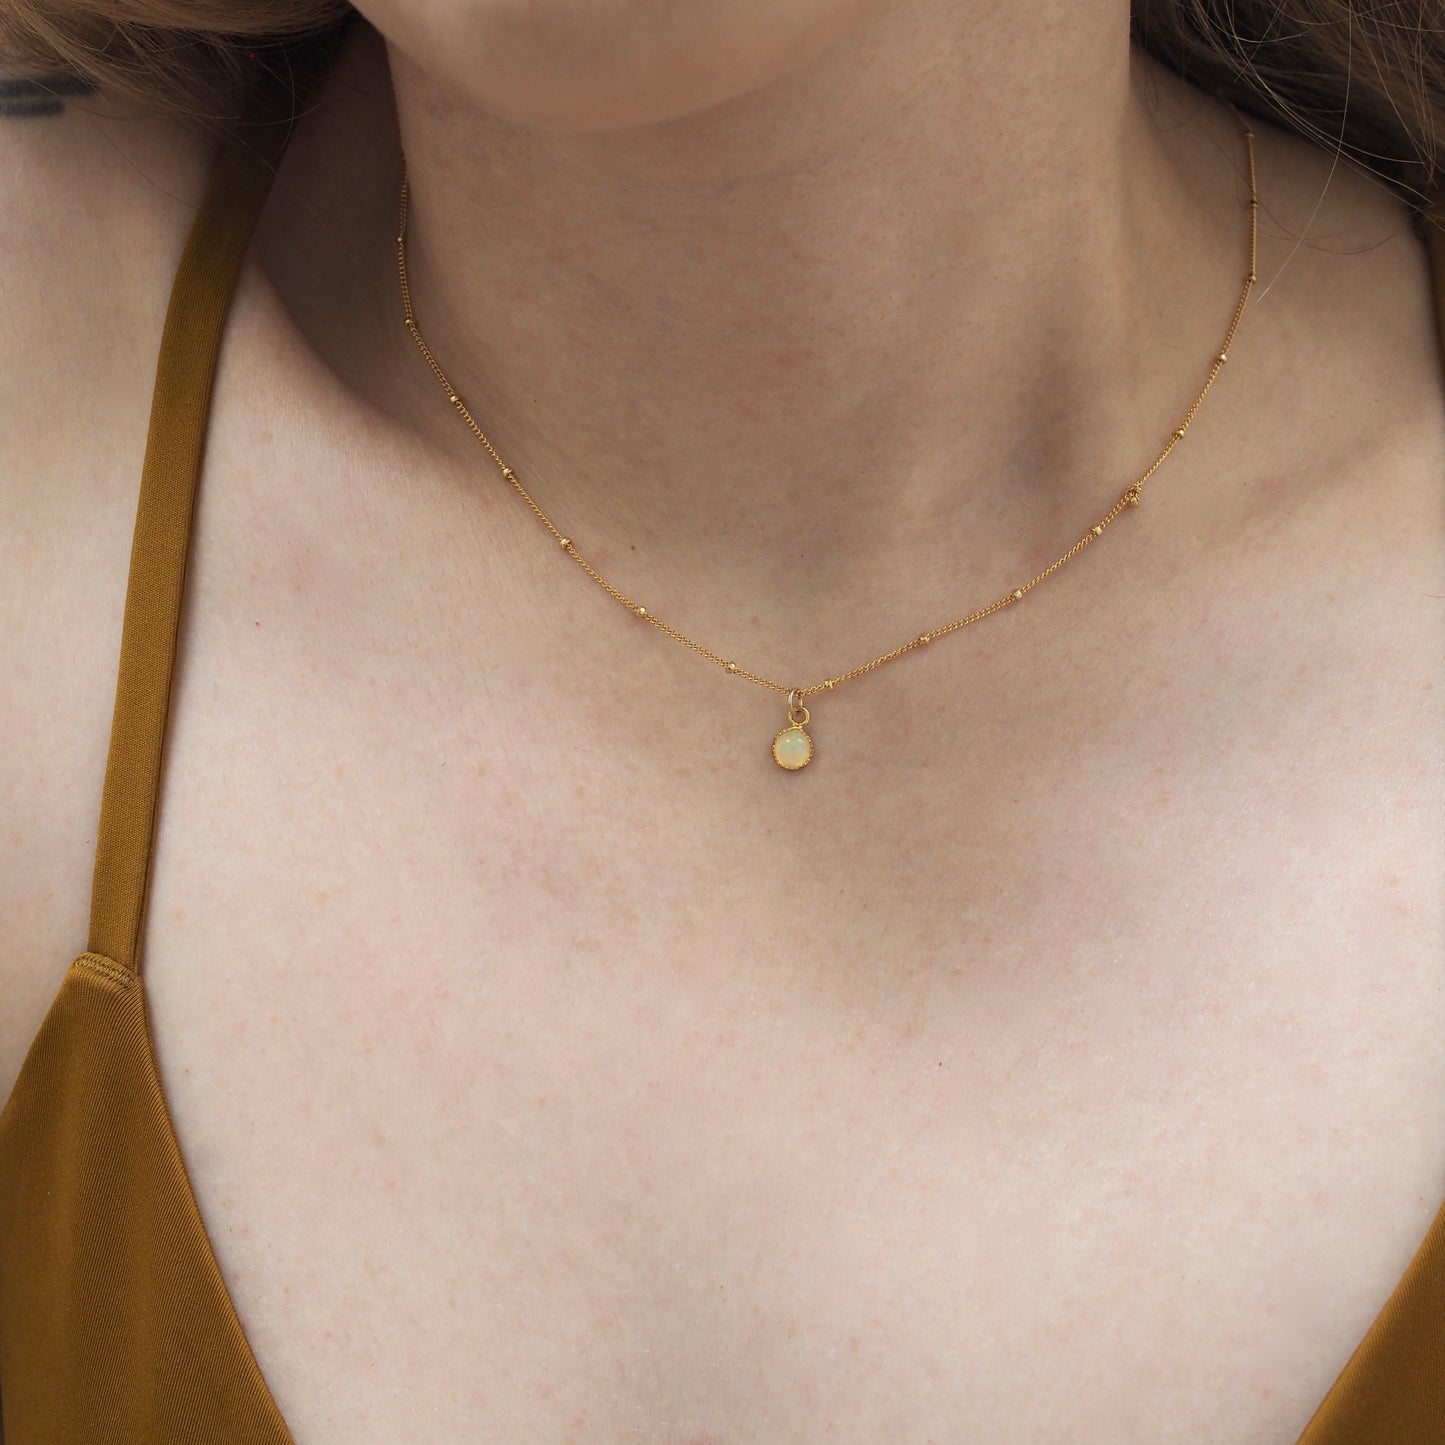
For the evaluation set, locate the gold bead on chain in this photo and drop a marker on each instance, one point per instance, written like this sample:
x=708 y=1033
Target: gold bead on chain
x=793 y=745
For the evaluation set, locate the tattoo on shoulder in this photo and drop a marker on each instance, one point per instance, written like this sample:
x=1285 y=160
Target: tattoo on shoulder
x=44 y=95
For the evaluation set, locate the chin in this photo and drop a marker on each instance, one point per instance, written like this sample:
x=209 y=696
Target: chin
x=583 y=65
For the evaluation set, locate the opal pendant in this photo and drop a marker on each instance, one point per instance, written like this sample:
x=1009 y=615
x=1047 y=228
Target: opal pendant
x=793 y=747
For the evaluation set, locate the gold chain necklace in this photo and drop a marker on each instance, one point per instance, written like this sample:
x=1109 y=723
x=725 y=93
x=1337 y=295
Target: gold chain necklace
x=793 y=746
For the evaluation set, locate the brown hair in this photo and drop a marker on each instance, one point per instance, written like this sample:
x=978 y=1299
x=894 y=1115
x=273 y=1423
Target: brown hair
x=178 y=55
x=1365 y=78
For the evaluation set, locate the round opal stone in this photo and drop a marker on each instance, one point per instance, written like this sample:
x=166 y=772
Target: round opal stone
x=792 y=749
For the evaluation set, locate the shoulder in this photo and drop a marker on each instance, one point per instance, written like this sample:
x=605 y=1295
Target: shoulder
x=95 y=202
x=1332 y=512
x=1346 y=400
x=1334 y=399
x=1344 y=339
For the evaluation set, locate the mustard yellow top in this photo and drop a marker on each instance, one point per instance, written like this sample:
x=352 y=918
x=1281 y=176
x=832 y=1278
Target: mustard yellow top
x=115 y=1324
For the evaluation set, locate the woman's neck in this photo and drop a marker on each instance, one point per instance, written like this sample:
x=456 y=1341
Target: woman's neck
x=948 y=284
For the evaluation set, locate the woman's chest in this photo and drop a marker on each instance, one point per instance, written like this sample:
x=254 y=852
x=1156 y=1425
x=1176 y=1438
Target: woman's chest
x=1060 y=1056
x=1086 y=1088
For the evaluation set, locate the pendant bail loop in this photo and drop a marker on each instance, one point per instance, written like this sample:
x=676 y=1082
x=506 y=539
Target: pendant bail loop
x=798 y=715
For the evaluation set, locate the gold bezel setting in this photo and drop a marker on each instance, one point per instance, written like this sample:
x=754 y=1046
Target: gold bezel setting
x=803 y=761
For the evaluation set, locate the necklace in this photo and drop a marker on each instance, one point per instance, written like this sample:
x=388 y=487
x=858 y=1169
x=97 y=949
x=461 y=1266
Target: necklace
x=792 y=747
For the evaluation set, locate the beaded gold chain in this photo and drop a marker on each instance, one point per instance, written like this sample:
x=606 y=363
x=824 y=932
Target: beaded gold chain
x=793 y=746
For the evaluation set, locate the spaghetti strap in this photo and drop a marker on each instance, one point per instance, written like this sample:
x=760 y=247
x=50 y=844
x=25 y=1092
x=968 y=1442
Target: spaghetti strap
x=175 y=445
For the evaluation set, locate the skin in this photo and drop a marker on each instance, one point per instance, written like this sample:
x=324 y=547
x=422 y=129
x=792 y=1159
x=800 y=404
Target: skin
x=547 y=1065
x=807 y=353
